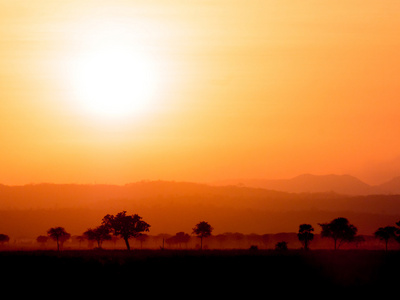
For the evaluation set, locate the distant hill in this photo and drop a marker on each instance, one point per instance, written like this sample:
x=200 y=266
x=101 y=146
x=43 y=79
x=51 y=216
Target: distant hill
x=392 y=186
x=171 y=207
x=307 y=183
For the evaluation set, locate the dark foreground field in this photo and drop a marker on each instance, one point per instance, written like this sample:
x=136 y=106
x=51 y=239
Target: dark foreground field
x=207 y=272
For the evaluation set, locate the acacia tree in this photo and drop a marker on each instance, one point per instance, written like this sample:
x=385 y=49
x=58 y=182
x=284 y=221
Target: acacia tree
x=340 y=230
x=202 y=230
x=59 y=235
x=386 y=233
x=305 y=234
x=125 y=226
x=98 y=234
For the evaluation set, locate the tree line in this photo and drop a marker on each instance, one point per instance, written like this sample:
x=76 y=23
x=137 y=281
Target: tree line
x=133 y=226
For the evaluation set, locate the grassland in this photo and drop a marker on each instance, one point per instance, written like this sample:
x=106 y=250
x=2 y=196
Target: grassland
x=225 y=271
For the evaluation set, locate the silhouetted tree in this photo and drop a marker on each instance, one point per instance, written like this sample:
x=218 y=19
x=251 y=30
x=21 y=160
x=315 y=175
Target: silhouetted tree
x=142 y=238
x=80 y=239
x=98 y=234
x=385 y=234
x=358 y=239
x=125 y=226
x=59 y=235
x=4 y=238
x=305 y=234
x=202 y=230
x=179 y=238
x=340 y=230
x=163 y=237
x=42 y=239
x=398 y=232
x=281 y=246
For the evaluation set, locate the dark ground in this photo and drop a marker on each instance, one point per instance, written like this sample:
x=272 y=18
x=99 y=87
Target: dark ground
x=187 y=273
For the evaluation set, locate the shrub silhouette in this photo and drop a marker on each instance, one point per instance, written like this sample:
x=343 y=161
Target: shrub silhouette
x=125 y=226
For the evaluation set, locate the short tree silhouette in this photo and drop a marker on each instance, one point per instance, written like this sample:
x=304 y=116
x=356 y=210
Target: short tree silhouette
x=179 y=238
x=125 y=226
x=59 y=235
x=398 y=232
x=385 y=234
x=305 y=234
x=142 y=238
x=281 y=246
x=340 y=230
x=42 y=240
x=4 y=238
x=98 y=234
x=202 y=230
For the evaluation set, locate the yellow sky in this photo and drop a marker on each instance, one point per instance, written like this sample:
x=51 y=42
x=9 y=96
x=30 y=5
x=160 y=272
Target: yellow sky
x=237 y=89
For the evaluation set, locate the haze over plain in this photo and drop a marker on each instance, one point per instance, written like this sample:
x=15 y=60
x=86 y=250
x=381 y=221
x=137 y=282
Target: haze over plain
x=221 y=90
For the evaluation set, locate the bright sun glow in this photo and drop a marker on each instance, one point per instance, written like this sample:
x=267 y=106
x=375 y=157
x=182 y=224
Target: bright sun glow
x=115 y=83
x=113 y=80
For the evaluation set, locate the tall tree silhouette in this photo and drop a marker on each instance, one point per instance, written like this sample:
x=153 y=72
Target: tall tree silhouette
x=59 y=235
x=202 y=230
x=386 y=233
x=125 y=226
x=305 y=234
x=340 y=230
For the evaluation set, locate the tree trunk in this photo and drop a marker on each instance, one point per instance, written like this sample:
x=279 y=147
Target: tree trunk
x=201 y=243
x=127 y=244
x=58 y=245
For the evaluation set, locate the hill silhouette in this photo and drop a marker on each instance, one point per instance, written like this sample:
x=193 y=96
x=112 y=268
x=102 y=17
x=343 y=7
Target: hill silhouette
x=170 y=207
x=308 y=183
x=392 y=186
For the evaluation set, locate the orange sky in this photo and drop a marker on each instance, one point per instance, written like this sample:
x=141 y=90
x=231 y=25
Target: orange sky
x=226 y=89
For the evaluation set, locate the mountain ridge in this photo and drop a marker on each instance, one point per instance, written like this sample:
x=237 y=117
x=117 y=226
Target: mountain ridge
x=309 y=183
x=304 y=183
x=171 y=207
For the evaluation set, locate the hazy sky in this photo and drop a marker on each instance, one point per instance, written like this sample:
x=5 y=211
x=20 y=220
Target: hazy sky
x=118 y=91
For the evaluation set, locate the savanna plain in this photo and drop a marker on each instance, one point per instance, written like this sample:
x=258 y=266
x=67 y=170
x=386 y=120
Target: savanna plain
x=230 y=270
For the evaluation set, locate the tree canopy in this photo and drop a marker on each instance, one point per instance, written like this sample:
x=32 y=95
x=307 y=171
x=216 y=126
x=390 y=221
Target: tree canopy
x=98 y=234
x=202 y=230
x=305 y=234
x=125 y=226
x=4 y=238
x=387 y=233
x=340 y=230
x=59 y=235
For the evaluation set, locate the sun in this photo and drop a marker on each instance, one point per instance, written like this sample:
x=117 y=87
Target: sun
x=114 y=83
x=114 y=80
